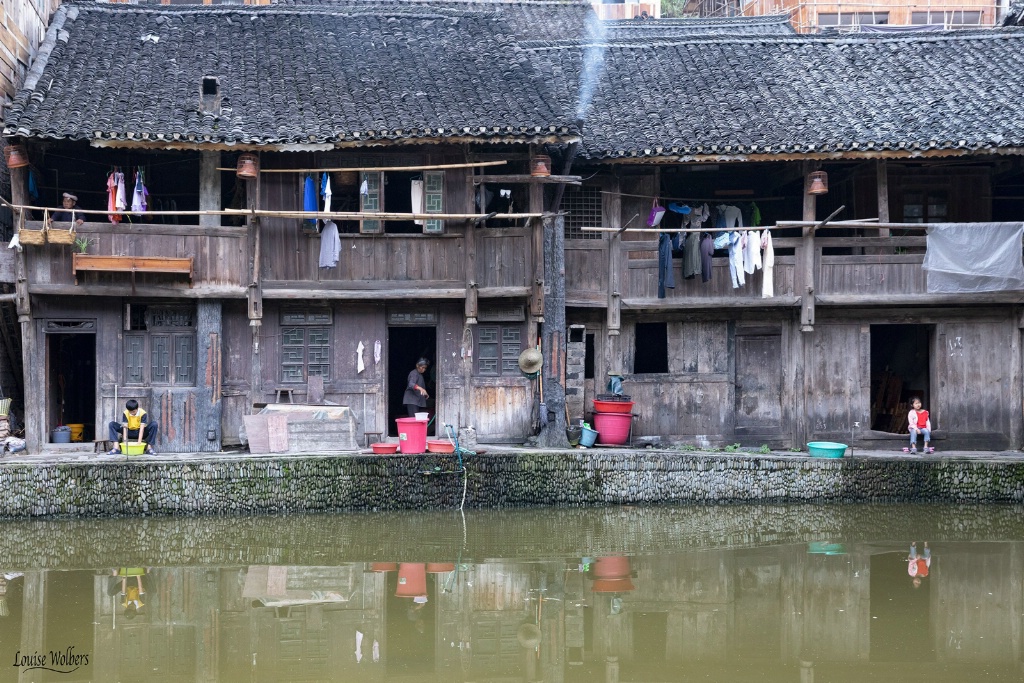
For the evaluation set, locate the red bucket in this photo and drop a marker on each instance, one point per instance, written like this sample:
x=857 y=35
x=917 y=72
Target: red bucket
x=440 y=567
x=412 y=435
x=412 y=580
x=612 y=428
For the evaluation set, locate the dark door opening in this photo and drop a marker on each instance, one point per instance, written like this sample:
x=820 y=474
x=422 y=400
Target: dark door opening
x=901 y=623
x=406 y=345
x=71 y=381
x=410 y=628
x=899 y=372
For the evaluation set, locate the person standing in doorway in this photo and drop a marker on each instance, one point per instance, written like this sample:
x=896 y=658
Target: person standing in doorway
x=415 y=398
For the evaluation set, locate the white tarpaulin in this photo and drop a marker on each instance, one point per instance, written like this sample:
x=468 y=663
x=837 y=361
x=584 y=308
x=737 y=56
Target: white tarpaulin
x=974 y=257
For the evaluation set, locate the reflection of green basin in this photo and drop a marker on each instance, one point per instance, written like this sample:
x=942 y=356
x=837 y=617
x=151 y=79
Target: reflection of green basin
x=826 y=449
x=822 y=548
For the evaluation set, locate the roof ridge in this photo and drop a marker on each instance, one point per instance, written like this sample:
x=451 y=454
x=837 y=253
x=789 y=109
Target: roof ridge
x=419 y=9
x=796 y=38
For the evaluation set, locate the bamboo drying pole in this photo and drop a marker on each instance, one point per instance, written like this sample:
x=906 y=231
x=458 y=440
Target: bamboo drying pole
x=434 y=167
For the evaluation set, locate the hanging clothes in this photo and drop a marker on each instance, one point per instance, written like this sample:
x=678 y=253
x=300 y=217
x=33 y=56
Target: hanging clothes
x=691 y=255
x=309 y=201
x=729 y=216
x=416 y=193
x=768 y=272
x=737 y=241
x=752 y=252
x=707 y=248
x=112 y=198
x=325 y=192
x=140 y=193
x=665 y=276
x=330 y=245
x=120 y=202
x=755 y=214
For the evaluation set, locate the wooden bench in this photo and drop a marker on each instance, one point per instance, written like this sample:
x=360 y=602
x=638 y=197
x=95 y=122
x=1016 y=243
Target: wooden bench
x=132 y=264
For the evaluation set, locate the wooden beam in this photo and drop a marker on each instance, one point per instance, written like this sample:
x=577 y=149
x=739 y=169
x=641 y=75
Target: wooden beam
x=363 y=294
x=716 y=302
x=503 y=292
x=209 y=188
x=527 y=178
x=197 y=292
x=375 y=169
x=889 y=300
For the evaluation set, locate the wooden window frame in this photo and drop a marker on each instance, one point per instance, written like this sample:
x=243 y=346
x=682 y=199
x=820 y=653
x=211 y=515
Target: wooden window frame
x=318 y=321
x=374 y=201
x=506 y=345
x=159 y=354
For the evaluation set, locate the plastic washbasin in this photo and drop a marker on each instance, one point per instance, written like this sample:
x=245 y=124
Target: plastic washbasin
x=826 y=449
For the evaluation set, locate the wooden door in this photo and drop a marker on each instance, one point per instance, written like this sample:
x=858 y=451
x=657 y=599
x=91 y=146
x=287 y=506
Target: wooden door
x=759 y=375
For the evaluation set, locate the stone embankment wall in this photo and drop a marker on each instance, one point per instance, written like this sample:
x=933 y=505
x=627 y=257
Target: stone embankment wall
x=221 y=485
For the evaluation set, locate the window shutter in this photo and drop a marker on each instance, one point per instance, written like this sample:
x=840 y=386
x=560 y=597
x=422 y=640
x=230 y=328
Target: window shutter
x=371 y=201
x=433 y=200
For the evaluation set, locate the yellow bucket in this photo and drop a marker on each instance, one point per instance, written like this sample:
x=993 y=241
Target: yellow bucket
x=77 y=431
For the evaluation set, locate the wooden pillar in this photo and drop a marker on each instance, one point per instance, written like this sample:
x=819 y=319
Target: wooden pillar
x=472 y=303
x=33 y=627
x=209 y=404
x=254 y=292
x=612 y=207
x=882 y=181
x=32 y=375
x=553 y=372
x=810 y=215
x=209 y=187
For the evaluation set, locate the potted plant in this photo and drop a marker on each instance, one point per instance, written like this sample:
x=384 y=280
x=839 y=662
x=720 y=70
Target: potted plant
x=82 y=244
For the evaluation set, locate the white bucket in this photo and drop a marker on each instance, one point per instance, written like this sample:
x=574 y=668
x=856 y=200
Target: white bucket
x=423 y=416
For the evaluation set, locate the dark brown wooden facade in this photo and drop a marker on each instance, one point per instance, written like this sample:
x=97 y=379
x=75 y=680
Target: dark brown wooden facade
x=257 y=316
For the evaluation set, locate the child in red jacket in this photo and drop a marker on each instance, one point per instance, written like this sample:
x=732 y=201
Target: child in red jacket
x=919 y=423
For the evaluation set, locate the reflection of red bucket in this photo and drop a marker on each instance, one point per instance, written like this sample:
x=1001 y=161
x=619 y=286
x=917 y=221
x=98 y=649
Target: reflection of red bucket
x=611 y=568
x=440 y=567
x=412 y=580
x=612 y=428
x=383 y=566
x=612 y=586
x=612 y=575
x=412 y=435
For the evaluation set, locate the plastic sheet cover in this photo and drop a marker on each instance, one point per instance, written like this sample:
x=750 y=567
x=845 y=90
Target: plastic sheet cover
x=974 y=257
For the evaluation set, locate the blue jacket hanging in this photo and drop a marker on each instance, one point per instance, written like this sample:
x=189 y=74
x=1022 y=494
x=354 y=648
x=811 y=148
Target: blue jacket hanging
x=309 y=201
x=665 y=276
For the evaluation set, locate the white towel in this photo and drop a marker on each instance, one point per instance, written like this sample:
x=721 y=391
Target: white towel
x=417 y=199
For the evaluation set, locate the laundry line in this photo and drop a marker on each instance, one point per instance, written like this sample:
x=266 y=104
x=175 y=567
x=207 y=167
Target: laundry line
x=691 y=200
x=375 y=169
x=308 y=215
x=859 y=222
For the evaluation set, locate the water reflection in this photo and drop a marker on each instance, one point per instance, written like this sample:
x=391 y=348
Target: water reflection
x=841 y=607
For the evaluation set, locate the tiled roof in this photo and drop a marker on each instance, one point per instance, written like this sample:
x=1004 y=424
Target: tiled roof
x=774 y=24
x=355 y=72
x=528 y=19
x=743 y=95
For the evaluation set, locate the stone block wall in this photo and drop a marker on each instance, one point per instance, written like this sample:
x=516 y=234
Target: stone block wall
x=218 y=485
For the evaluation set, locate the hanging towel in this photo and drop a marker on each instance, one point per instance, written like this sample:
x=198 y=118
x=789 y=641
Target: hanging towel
x=120 y=203
x=768 y=273
x=360 y=366
x=309 y=202
x=330 y=245
x=112 y=198
x=417 y=198
x=325 y=192
x=139 y=194
x=665 y=276
x=364 y=188
x=752 y=252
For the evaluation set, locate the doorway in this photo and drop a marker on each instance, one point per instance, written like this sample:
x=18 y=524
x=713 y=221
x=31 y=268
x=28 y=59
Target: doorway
x=901 y=622
x=406 y=345
x=71 y=381
x=900 y=371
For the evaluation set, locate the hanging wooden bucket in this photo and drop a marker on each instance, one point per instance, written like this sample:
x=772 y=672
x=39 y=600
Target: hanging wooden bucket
x=412 y=580
x=16 y=156
x=440 y=567
x=383 y=566
x=345 y=178
x=248 y=166
x=540 y=166
x=611 y=568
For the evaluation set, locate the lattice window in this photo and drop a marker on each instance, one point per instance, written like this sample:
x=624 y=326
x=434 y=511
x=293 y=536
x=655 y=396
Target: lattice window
x=305 y=345
x=371 y=200
x=583 y=206
x=160 y=347
x=433 y=200
x=498 y=347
